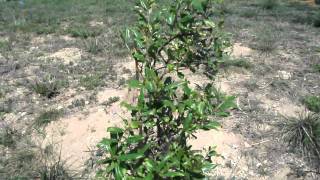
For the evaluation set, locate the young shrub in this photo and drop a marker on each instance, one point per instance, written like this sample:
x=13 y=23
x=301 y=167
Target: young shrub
x=303 y=134
x=153 y=144
x=312 y=103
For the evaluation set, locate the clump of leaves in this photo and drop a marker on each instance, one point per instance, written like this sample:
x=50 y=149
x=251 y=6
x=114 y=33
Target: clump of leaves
x=312 y=103
x=153 y=143
x=269 y=4
x=48 y=116
x=303 y=134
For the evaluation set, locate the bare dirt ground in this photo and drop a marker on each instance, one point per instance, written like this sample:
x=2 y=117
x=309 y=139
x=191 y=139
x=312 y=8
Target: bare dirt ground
x=250 y=141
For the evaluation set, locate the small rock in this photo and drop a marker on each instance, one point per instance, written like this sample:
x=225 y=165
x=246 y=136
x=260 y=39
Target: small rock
x=284 y=75
x=247 y=145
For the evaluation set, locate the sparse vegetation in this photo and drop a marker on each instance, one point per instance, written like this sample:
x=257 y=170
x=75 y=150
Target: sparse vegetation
x=241 y=63
x=91 y=82
x=266 y=39
x=83 y=32
x=48 y=116
x=93 y=46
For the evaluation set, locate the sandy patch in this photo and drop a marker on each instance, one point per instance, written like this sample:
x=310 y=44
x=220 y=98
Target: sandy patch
x=96 y=23
x=80 y=133
x=67 y=55
x=283 y=106
x=241 y=51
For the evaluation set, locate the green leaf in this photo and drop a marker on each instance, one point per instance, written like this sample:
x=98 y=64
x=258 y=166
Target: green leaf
x=114 y=130
x=170 y=67
x=119 y=172
x=135 y=139
x=138 y=56
x=211 y=125
x=135 y=124
x=174 y=174
x=197 y=4
x=187 y=122
x=228 y=103
x=130 y=157
x=134 y=83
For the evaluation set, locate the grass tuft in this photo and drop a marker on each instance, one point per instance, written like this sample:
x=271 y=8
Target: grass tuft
x=266 y=40
x=269 y=4
x=48 y=116
x=303 y=134
x=312 y=103
x=90 y=82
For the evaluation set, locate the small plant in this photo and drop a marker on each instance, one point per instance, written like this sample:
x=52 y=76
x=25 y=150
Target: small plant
x=93 y=46
x=111 y=100
x=90 y=82
x=312 y=103
x=153 y=144
x=77 y=103
x=49 y=86
x=48 y=116
x=269 y=4
x=316 y=67
x=303 y=134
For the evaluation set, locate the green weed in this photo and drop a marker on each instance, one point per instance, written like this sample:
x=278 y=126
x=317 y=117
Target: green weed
x=312 y=103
